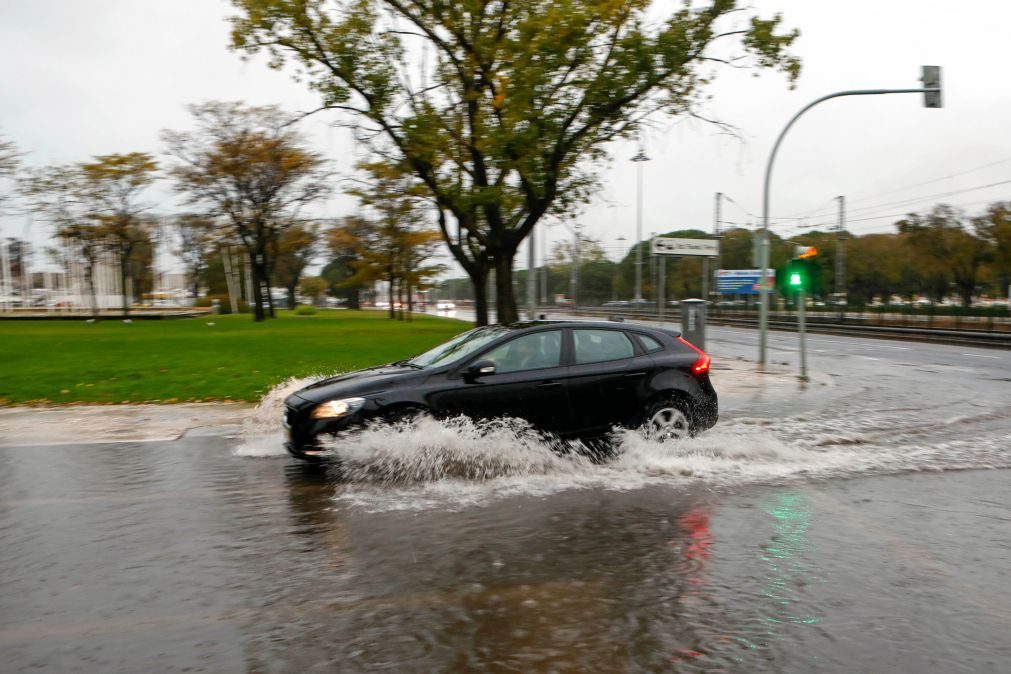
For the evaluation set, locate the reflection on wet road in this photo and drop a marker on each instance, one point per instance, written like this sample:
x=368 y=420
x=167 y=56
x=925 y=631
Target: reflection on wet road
x=116 y=557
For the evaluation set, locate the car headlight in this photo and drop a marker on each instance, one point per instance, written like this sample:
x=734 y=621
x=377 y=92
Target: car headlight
x=332 y=409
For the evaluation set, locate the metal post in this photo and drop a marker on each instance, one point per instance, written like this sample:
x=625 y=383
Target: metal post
x=639 y=158
x=661 y=292
x=840 y=259
x=763 y=316
x=573 y=274
x=544 y=266
x=801 y=315
x=532 y=274
x=716 y=233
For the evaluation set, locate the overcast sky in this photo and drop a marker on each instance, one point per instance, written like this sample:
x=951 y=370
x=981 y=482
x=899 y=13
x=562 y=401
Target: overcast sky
x=103 y=76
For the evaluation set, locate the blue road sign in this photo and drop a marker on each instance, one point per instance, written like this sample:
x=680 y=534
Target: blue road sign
x=742 y=281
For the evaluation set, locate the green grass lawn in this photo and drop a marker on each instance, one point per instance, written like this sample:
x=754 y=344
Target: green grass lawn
x=51 y=362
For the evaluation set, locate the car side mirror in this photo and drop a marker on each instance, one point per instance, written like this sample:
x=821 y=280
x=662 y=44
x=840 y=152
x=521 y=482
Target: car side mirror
x=481 y=368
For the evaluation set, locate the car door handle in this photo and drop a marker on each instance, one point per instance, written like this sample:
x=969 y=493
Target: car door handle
x=635 y=375
x=549 y=385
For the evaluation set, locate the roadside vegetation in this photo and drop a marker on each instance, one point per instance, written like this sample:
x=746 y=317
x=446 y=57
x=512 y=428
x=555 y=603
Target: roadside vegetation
x=205 y=359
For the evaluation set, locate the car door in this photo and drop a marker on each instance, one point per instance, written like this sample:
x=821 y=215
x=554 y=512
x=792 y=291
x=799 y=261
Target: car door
x=606 y=379
x=528 y=383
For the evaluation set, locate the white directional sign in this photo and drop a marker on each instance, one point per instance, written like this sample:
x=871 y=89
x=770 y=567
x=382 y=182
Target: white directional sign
x=662 y=245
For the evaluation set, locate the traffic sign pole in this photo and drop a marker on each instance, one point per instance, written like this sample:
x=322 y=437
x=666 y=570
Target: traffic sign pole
x=801 y=315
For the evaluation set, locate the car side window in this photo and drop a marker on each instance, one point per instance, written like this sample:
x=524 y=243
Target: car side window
x=648 y=343
x=595 y=346
x=528 y=352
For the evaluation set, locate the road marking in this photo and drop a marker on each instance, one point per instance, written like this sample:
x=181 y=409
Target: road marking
x=979 y=355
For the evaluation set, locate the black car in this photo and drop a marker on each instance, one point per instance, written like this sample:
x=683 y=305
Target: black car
x=571 y=379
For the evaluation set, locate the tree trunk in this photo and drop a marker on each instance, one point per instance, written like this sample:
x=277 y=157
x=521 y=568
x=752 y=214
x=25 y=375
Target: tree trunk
x=410 y=302
x=479 y=280
x=94 y=295
x=124 y=273
x=291 y=296
x=354 y=300
x=505 y=299
x=390 y=280
x=400 y=300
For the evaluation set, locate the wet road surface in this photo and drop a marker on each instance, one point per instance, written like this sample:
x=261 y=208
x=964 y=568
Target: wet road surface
x=861 y=523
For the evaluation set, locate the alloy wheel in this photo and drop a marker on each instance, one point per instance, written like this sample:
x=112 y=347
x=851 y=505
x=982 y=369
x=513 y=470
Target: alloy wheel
x=667 y=423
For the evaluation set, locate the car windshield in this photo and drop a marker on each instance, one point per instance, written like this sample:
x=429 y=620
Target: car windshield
x=459 y=347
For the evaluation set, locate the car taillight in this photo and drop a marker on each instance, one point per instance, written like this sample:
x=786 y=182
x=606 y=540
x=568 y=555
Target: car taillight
x=700 y=366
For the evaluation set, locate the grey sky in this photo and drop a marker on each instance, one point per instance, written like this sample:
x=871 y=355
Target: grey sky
x=86 y=78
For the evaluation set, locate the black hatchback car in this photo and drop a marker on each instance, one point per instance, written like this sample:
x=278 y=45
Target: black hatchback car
x=572 y=379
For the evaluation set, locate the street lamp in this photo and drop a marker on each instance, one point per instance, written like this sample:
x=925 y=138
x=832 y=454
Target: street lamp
x=931 y=79
x=639 y=158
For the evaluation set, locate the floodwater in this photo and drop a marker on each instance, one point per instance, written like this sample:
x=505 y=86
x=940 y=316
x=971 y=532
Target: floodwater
x=860 y=523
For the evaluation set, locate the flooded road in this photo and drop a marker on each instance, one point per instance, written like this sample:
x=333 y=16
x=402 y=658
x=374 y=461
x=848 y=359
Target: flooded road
x=861 y=523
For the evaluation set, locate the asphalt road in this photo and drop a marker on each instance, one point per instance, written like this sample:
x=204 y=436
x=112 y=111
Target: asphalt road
x=857 y=522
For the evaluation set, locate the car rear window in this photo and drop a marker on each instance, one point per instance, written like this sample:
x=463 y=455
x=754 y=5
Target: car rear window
x=595 y=346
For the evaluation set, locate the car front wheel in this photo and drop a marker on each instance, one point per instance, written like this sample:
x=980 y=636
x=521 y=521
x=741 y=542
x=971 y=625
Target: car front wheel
x=666 y=419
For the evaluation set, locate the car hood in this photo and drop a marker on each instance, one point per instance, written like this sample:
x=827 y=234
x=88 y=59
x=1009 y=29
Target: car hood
x=351 y=384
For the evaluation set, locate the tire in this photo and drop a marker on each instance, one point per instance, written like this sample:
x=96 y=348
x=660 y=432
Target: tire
x=666 y=419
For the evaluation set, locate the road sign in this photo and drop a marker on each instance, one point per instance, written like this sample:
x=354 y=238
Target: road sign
x=804 y=252
x=742 y=281
x=663 y=245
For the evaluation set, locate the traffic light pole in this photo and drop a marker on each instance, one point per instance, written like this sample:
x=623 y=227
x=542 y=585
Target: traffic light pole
x=801 y=316
x=763 y=315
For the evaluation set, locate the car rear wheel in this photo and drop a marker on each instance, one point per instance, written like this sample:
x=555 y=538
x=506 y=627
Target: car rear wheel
x=666 y=419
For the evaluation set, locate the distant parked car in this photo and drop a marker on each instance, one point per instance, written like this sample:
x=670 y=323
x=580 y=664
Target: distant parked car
x=616 y=303
x=445 y=306
x=572 y=379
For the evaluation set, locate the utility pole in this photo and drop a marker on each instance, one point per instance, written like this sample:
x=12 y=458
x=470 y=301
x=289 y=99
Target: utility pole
x=639 y=158
x=840 y=260
x=931 y=78
x=717 y=217
x=573 y=274
x=544 y=266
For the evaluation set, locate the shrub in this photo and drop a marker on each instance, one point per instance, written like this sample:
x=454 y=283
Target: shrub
x=305 y=310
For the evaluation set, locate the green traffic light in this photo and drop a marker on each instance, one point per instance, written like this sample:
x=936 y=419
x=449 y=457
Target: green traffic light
x=796 y=279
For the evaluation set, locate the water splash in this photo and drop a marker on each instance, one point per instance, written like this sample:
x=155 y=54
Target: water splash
x=425 y=449
x=261 y=433
x=425 y=463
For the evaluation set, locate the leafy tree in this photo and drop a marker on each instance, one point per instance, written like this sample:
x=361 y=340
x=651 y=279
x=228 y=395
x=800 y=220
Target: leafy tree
x=251 y=166
x=510 y=120
x=341 y=245
x=295 y=250
x=96 y=206
x=56 y=195
x=944 y=236
x=995 y=228
x=196 y=247
x=383 y=250
x=313 y=287
x=396 y=246
x=110 y=187
x=9 y=159
x=869 y=269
